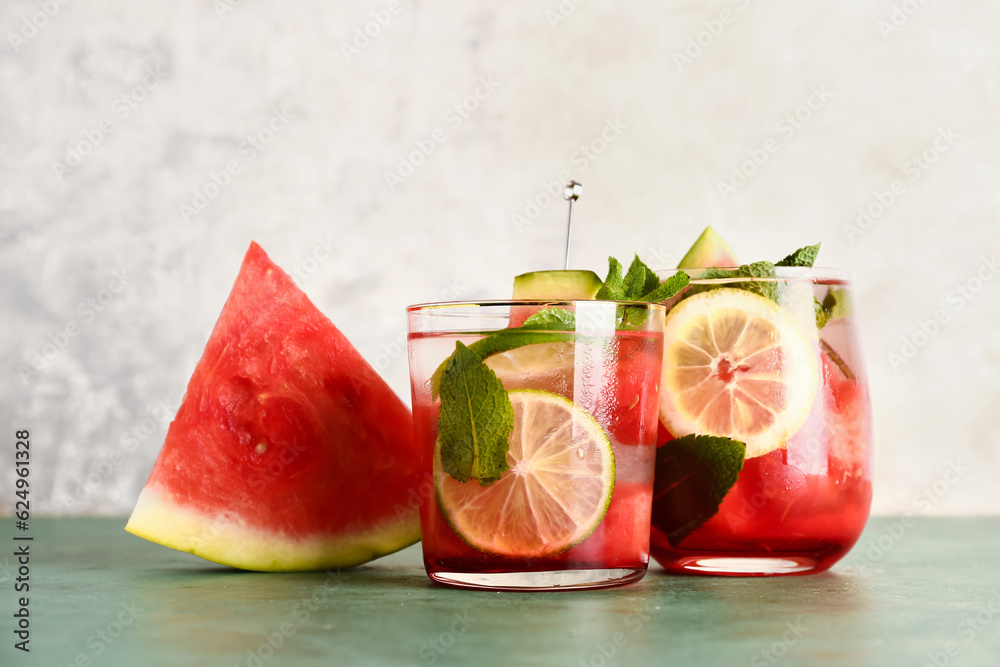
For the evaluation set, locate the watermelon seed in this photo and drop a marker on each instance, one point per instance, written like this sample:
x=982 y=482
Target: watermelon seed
x=261 y=447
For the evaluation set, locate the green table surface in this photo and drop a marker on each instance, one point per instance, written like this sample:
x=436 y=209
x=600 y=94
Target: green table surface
x=924 y=593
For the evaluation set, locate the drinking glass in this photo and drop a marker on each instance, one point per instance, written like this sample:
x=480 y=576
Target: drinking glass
x=775 y=362
x=572 y=510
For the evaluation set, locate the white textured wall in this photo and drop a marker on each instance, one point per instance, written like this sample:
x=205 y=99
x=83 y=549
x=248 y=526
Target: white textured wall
x=677 y=129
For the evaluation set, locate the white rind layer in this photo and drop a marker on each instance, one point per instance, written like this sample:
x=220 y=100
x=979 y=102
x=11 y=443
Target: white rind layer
x=229 y=541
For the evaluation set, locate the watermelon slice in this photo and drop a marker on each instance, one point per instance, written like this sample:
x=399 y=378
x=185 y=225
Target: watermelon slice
x=288 y=452
x=709 y=250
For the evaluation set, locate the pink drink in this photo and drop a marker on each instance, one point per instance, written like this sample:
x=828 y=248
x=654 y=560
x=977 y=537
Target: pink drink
x=613 y=377
x=799 y=508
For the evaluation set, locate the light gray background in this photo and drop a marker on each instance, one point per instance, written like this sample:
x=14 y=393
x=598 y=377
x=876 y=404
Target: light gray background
x=554 y=81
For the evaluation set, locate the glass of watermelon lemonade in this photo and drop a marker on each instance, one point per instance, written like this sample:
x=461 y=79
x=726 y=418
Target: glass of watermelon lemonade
x=565 y=500
x=772 y=362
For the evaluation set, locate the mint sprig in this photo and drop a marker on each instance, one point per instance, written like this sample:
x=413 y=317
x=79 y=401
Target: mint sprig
x=475 y=419
x=639 y=284
x=761 y=275
x=693 y=474
x=758 y=273
x=476 y=415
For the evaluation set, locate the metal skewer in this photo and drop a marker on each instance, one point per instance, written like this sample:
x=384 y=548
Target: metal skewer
x=571 y=193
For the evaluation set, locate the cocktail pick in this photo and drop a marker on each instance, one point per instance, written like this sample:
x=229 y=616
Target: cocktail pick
x=571 y=193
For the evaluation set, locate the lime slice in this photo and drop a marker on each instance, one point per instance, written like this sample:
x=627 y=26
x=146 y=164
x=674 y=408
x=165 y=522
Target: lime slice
x=562 y=473
x=737 y=365
x=511 y=340
x=547 y=366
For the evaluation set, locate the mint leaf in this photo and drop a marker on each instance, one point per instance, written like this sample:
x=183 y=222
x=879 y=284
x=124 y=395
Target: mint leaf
x=693 y=475
x=835 y=304
x=801 y=257
x=551 y=319
x=713 y=273
x=639 y=280
x=764 y=270
x=822 y=314
x=475 y=419
x=667 y=289
x=756 y=270
x=614 y=285
x=766 y=288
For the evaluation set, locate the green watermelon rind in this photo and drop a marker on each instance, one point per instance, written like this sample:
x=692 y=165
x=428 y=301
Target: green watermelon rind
x=228 y=541
x=709 y=250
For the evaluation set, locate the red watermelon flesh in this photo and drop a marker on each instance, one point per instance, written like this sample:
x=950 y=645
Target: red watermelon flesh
x=288 y=452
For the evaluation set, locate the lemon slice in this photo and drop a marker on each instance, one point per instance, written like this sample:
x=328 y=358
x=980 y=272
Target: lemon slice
x=736 y=364
x=562 y=473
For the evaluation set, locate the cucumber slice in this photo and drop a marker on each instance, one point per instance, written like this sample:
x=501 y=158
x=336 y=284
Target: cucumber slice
x=571 y=284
